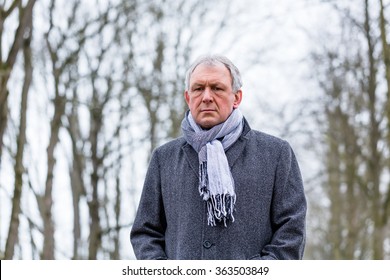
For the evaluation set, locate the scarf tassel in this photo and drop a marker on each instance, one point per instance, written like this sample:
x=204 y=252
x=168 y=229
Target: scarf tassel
x=220 y=208
x=203 y=189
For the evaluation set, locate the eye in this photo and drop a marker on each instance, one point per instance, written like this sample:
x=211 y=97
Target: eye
x=217 y=89
x=197 y=87
x=197 y=91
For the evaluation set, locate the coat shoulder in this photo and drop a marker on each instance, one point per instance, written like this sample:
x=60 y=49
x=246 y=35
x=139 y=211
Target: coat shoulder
x=266 y=140
x=170 y=148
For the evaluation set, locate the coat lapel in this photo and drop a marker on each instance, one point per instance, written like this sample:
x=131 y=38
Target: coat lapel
x=192 y=158
x=235 y=151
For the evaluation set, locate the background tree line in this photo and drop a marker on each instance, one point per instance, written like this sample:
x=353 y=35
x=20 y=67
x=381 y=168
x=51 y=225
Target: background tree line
x=352 y=70
x=89 y=88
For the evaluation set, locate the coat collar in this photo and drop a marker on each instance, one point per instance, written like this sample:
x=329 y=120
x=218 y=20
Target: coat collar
x=232 y=153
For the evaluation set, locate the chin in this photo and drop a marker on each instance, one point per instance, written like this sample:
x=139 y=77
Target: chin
x=208 y=124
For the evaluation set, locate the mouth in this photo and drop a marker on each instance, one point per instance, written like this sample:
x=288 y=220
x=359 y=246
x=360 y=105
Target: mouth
x=207 y=110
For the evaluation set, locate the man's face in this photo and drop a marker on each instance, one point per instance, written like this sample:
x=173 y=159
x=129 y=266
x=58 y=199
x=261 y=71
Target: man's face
x=210 y=97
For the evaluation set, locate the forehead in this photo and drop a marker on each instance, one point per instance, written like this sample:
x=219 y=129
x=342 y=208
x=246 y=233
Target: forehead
x=206 y=72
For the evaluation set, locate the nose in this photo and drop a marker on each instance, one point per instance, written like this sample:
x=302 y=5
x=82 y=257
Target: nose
x=207 y=95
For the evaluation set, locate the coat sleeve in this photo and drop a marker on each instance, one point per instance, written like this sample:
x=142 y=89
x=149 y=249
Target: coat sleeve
x=148 y=232
x=288 y=210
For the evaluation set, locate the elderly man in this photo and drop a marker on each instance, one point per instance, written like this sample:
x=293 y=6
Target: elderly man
x=222 y=190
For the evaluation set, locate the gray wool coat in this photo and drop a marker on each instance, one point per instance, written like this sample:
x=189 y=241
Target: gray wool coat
x=269 y=214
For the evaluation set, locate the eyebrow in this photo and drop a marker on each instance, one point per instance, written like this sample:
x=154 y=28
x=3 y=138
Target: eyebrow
x=213 y=84
x=197 y=85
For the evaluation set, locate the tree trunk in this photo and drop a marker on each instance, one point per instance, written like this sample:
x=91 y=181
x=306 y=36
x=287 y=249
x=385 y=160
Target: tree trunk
x=48 y=225
x=95 y=228
x=117 y=206
x=375 y=158
x=76 y=176
x=334 y=181
x=25 y=17
x=21 y=142
x=386 y=60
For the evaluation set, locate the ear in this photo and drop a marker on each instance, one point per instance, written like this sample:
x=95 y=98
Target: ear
x=237 y=99
x=187 y=97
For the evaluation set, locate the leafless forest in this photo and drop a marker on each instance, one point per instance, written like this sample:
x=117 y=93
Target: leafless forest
x=89 y=88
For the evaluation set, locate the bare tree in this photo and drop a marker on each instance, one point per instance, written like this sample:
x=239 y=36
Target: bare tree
x=353 y=116
x=62 y=68
x=99 y=96
x=76 y=170
x=25 y=14
x=383 y=22
x=375 y=162
x=21 y=142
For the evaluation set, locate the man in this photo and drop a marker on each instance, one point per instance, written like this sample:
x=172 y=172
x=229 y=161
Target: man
x=223 y=190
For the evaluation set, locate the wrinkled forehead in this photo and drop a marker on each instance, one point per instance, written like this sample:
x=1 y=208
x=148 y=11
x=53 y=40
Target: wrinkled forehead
x=211 y=73
x=211 y=68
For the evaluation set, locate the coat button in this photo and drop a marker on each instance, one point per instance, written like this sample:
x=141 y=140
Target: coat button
x=207 y=244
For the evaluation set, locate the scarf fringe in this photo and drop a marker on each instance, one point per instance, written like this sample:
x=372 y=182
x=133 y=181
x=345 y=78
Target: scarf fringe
x=220 y=208
x=203 y=181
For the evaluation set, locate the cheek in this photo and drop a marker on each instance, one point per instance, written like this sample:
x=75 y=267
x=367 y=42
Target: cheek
x=230 y=103
x=194 y=102
x=192 y=106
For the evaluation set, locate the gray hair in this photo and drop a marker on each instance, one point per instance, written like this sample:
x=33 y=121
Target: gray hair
x=213 y=60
